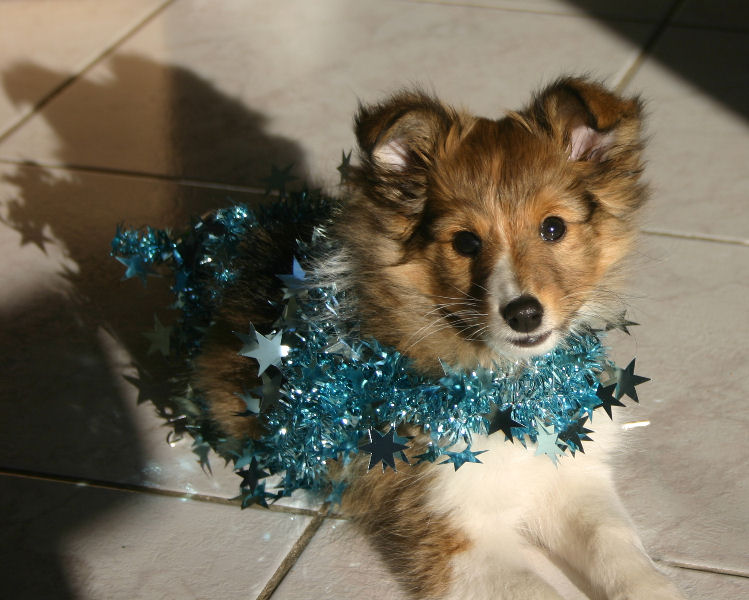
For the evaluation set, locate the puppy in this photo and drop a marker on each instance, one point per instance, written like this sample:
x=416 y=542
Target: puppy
x=470 y=241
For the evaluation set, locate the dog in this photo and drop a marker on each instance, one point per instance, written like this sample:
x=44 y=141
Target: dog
x=471 y=242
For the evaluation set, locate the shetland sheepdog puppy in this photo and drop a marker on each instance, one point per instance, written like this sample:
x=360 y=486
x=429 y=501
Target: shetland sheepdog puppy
x=473 y=241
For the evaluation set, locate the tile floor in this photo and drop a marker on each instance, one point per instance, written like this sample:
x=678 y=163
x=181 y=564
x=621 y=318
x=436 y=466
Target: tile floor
x=148 y=111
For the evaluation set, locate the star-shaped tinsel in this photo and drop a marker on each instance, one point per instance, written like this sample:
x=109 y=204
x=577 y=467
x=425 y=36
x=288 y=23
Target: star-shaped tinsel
x=251 y=475
x=256 y=496
x=432 y=453
x=295 y=283
x=266 y=351
x=503 y=421
x=382 y=448
x=269 y=391
x=458 y=459
x=605 y=394
x=574 y=435
x=136 y=267
x=622 y=324
x=278 y=179
x=548 y=442
x=202 y=448
x=626 y=380
x=345 y=165
x=160 y=337
x=252 y=404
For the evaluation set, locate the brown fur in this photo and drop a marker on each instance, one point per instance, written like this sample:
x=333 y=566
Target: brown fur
x=496 y=178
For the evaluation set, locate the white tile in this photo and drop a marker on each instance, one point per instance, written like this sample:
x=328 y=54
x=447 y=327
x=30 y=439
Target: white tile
x=43 y=41
x=220 y=91
x=65 y=541
x=697 y=95
x=701 y=585
x=683 y=476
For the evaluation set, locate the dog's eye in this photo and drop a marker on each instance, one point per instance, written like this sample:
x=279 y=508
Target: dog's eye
x=552 y=229
x=466 y=243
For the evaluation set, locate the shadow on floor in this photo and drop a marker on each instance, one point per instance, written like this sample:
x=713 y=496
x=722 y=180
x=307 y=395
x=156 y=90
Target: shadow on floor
x=66 y=408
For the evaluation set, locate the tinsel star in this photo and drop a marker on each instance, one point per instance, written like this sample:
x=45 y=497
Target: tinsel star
x=622 y=324
x=295 y=283
x=252 y=404
x=269 y=391
x=136 y=267
x=256 y=496
x=202 y=448
x=345 y=165
x=382 y=448
x=575 y=434
x=289 y=319
x=278 y=179
x=626 y=380
x=160 y=337
x=547 y=442
x=503 y=421
x=251 y=475
x=458 y=459
x=266 y=351
x=433 y=452
x=605 y=394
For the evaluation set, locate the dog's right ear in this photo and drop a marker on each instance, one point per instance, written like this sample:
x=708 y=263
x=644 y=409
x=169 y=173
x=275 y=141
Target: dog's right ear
x=398 y=140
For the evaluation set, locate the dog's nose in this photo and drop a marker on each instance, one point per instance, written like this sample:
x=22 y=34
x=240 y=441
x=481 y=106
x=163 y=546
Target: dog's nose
x=523 y=314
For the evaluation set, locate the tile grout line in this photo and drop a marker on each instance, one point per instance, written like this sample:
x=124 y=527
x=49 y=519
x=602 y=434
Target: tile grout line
x=701 y=568
x=697 y=237
x=227 y=187
x=661 y=26
x=144 y=489
x=296 y=551
x=86 y=66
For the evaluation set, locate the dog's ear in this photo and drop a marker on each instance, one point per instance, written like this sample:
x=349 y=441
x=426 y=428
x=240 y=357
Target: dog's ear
x=589 y=122
x=398 y=141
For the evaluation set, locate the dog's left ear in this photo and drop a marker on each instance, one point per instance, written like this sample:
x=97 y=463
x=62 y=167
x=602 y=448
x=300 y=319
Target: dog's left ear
x=589 y=122
x=398 y=141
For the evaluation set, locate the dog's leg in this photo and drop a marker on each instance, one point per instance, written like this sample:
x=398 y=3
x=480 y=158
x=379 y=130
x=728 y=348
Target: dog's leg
x=584 y=524
x=495 y=569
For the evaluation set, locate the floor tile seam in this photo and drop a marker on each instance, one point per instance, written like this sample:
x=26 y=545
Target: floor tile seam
x=702 y=568
x=88 y=482
x=197 y=183
x=83 y=67
x=696 y=237
x=551 y=13
x=637 y=61
x=293 y=555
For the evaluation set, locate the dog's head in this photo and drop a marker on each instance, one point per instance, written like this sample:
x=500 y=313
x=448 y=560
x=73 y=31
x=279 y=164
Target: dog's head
x=471 y=239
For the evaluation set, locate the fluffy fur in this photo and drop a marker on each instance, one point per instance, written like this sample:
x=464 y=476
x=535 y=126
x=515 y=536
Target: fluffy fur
x=449 y=253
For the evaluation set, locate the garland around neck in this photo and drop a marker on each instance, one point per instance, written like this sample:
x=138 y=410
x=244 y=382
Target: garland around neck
x=328 y=395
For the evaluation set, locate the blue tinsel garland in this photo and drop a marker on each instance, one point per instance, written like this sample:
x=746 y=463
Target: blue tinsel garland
x=336 y=389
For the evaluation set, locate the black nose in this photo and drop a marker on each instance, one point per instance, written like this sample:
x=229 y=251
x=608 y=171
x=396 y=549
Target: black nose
x=523 y=314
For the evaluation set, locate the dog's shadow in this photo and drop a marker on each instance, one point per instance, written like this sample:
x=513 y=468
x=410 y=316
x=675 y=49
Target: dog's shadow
x=66 y=338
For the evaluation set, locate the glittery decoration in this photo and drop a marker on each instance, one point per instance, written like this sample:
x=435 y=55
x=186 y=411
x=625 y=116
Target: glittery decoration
x=626 y=380
x=345 y=165
x=328 y=387
x=278 y=179
x=458 y=459
x=382 y=448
